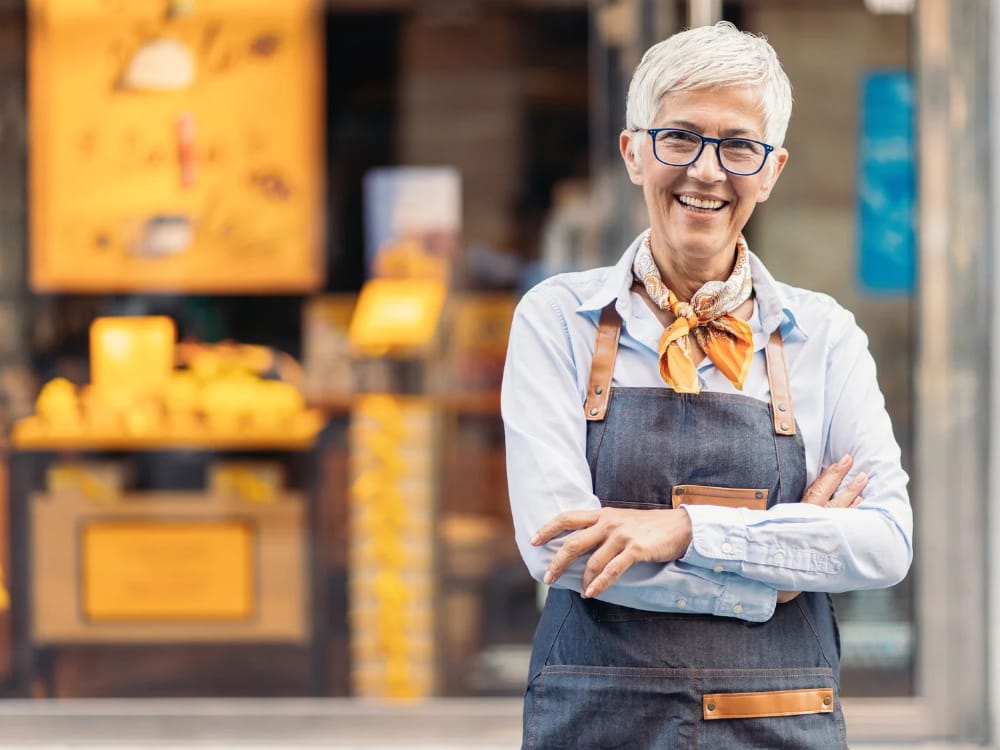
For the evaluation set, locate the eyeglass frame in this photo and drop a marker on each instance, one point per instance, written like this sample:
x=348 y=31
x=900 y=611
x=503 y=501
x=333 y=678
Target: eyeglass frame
x=717 y=142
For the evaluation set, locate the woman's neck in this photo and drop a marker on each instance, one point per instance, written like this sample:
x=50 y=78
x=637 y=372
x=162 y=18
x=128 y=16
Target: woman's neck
x=685 y=276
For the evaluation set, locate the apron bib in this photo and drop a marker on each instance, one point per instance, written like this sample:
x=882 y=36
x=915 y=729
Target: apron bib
x=607 y=676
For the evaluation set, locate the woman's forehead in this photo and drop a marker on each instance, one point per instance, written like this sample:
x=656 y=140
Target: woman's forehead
x=732 y=108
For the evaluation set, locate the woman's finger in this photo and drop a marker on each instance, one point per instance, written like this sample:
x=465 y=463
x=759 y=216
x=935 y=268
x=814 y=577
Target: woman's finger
x=614 y=570
x=571 y=520
x=599 y=560
x=851 y=491
x=576 y=544
x=823 y=487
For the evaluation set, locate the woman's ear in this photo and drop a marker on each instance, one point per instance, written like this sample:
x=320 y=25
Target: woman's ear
x=777 y=164
x=630 y=153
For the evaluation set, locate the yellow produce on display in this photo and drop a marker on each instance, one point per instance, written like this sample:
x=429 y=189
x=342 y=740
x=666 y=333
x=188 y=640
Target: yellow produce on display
x=101 y=483
x=222 y=393
x=260 y=482
x=391 y=560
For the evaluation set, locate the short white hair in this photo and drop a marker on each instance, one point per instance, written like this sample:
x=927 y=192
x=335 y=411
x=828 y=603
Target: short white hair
x=710 y=57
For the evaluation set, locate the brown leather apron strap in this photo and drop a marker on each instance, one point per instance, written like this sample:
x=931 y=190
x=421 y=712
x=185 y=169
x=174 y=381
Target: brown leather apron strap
x=777 y=377
x=603 y=365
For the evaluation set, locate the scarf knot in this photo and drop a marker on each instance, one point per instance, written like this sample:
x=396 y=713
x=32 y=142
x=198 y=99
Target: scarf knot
x=686 y=311
x=726 y=340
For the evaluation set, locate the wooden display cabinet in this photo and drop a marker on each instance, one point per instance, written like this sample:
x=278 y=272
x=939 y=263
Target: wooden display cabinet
x=177 y=584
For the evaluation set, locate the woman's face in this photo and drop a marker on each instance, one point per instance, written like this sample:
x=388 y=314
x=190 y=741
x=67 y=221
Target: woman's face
x=697 y=211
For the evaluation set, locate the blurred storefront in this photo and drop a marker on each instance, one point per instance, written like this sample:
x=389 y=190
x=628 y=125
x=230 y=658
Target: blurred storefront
x=257 y=266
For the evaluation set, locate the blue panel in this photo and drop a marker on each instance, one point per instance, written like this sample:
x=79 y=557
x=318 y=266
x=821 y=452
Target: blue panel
x=887 y=184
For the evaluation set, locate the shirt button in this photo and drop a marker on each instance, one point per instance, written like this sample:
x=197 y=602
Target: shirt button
x=779 y=558
x=726 y=548
x=682 y=603
x=737 y=608
x=717 y=568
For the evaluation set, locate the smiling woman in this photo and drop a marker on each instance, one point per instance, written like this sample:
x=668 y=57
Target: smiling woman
x=693 y=446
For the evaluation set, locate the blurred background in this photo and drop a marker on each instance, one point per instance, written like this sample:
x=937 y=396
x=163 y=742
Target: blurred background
x=257 y=266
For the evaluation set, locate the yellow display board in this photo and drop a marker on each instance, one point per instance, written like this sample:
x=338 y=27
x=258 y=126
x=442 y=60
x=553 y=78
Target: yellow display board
x=396 y=315
x=168 y=570
x=168 y=567
x=176 y=145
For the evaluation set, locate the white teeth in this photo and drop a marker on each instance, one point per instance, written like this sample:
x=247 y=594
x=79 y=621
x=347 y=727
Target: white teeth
x=688 y=200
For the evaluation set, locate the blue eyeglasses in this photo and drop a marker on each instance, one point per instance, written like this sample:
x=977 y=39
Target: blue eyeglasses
x=679 y=148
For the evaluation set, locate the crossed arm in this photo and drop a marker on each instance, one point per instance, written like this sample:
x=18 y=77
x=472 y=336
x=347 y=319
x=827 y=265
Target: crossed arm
x=615 y=539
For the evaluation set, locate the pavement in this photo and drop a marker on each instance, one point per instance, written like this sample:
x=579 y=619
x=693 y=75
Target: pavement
x=293 y=724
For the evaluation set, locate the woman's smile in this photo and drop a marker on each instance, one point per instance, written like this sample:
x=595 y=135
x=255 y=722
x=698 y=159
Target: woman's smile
x=701 y=204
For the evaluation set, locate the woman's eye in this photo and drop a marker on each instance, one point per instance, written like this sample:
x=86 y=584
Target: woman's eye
x=677 y=136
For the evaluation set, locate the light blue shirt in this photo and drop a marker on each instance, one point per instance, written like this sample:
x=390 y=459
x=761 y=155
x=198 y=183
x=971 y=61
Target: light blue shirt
x=739 y=558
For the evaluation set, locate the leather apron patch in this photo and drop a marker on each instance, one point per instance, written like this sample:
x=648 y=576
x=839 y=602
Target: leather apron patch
x=768 y=703
x=731 y=497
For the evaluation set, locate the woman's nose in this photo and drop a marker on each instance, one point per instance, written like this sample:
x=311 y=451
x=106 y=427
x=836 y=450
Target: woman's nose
x=706 y=167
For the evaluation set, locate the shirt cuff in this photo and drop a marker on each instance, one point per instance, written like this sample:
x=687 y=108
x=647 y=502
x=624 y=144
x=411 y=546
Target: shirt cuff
x=723 y=541
x=718 y=538
x=747 y=600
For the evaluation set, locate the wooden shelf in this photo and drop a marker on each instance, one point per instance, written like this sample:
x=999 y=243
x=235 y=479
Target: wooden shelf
x=28 y=436
x=485 y=403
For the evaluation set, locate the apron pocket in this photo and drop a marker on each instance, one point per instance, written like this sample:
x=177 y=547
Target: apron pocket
x=795 y=709
x=579 y=706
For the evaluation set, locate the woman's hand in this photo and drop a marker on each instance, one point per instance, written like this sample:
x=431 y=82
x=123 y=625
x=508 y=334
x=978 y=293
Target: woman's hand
x=821 y=492
x=619 y=538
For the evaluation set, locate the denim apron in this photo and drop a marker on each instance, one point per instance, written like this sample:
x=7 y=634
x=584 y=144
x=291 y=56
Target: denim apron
x=608 y=676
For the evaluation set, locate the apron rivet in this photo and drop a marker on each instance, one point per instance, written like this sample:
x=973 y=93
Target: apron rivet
x=784 y=426
x=782 y=407
x=711 y=706
x=598 y=390
x=827 y=700
x=593 y=412
x=758 y=495
x=679 y=491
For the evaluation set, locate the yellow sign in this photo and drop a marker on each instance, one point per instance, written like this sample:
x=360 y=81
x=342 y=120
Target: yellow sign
x=176 y=146
x=168 y=570
x=396 y=314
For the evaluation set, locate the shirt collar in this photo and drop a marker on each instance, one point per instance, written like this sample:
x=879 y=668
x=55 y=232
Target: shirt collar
x=774 y=310
x=615 y=284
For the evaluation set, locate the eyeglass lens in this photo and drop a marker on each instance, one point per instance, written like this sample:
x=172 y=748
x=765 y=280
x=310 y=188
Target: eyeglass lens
x=679 y=148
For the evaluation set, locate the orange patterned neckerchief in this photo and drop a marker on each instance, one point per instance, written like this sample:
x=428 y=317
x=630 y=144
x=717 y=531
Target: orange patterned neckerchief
x=725 y=339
